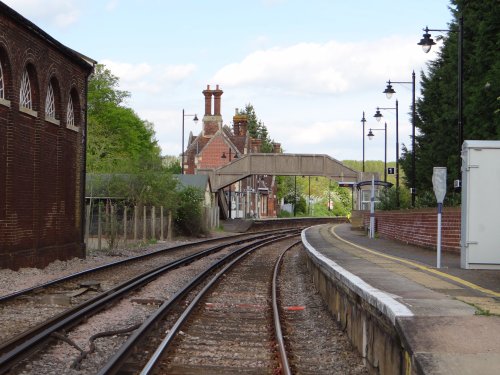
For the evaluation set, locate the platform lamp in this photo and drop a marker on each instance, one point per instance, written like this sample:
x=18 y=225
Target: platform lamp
x=223 y=156
x=427 y=42
x=363 y=120
x=378 y=116
x=389 y=91
x=195 y=119
x=370 y=136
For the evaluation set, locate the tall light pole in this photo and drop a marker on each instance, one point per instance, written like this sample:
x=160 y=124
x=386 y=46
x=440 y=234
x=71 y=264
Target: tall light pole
x=223 y=156
x=370 y=136
x=427 y=42
x=389 y=91
x=195 y=119
x=363 y=120
x=379 y=116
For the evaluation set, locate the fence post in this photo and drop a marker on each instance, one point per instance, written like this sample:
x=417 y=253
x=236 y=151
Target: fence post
x=144 y=227
x=161 y=223
x=87 y=224
x=153 y=222
x=169 y=230
x=99 y=227
x=125 y=224
x=136 y=213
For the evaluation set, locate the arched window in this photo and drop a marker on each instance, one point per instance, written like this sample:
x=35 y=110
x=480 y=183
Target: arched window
x=25 y=93
x=50 y=105
x=73 y=111
x=2 y=83
x=70 y=114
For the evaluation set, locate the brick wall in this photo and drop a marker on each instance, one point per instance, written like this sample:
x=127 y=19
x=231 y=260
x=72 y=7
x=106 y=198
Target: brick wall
x=41 y=161
x=419 y=227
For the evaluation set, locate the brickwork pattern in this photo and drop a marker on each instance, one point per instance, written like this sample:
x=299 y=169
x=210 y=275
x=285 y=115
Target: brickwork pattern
x=41 y=162
x=419 y=227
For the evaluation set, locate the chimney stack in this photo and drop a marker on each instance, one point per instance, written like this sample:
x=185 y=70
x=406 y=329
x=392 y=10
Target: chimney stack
x=217 y=94
x=208 y=101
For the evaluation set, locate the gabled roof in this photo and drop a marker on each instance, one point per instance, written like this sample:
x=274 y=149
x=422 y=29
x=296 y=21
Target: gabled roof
x=194 y=180
x=78 y=58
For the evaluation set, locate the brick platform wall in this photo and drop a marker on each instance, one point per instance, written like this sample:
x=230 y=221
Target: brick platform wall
x=419 y=227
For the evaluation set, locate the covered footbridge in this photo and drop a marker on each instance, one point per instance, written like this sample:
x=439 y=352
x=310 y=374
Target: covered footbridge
x=267 y=164
x=280 y=165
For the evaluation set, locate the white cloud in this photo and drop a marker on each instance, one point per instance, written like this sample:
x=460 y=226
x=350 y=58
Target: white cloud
x=144 y=77
x=112 y=5
x=328 y=68
x=176 y=73
x=61 y=13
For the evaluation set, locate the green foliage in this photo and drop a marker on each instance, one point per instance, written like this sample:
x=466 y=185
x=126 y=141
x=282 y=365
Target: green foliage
x=388 y=199
x=437 y=122
x=257 y=129
x=189 y=219
x=118 y=141
x=376 y=166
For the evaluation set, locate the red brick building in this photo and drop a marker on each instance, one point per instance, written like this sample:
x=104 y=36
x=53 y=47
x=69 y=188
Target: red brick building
x=42 y=145
x=218 y=145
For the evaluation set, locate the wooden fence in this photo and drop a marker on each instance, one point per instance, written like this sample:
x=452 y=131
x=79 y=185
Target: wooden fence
x=111 y=225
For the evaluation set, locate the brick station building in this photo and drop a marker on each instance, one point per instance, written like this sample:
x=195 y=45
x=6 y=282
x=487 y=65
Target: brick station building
x=218 y=145
x=43 y=87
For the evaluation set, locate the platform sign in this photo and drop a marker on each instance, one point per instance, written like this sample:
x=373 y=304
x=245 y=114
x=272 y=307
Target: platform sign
x=390 y=170
x=439 y=185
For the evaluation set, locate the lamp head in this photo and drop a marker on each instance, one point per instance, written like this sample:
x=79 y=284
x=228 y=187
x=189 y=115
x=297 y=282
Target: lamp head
x=426 y=42
x=378 y=116
x=370 y=135
x=389 y=90
x=195 y=119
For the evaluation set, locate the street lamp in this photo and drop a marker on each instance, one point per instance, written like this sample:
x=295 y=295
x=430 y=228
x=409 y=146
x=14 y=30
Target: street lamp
x=370 y=136
x=378 y=116
x=223 y=156
x=363 y=120
x=389 y=91
x=427 y=42
x=195 y=119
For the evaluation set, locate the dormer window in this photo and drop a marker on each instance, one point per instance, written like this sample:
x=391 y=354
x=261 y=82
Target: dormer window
x=70 y=114
x=50 y=105
x=25 y=94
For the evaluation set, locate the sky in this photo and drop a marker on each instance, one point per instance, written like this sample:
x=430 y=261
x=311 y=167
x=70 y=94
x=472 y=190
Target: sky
x=309 y=67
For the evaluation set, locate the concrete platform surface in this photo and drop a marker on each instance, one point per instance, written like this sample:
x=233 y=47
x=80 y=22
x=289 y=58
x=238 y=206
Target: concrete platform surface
x=447 y=318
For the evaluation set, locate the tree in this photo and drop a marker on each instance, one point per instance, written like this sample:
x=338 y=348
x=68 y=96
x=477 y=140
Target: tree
x=437 y=115
x=256 y=128
x=118 y=141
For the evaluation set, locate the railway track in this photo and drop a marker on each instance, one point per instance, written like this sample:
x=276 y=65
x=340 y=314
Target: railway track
x=59 y=296
x=226 y=325
x=16 y=349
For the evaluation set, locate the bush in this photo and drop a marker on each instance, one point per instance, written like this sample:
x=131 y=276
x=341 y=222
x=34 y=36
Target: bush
x=189 y=218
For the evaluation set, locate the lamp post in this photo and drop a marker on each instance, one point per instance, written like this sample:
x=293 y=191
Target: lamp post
x=195 y=119
x=389 y=91
x=363 y=120
x=379 y=116
x=223 y=156
x=427 y=42
x=370 y=136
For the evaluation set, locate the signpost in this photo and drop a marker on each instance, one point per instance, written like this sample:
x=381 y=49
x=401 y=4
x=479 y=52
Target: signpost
x=439 y=185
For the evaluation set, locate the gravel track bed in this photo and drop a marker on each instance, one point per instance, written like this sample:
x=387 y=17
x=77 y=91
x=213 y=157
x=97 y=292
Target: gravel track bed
x=231 y=331
x=313 y=337
x=59 y=358
x=19 y=315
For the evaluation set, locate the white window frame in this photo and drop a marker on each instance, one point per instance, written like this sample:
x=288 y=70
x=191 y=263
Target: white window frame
x=25 y=99
x=50 y=106
x=70 y=115
x=2 y=84
x=3 y=101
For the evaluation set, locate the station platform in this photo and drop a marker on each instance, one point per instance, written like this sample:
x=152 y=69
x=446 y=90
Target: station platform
x=448 y=319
